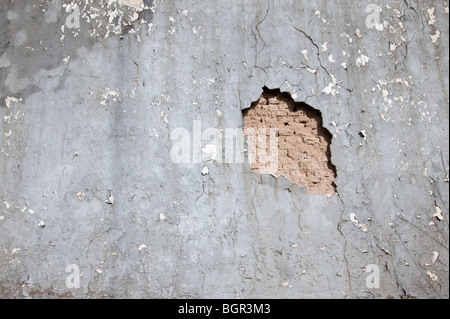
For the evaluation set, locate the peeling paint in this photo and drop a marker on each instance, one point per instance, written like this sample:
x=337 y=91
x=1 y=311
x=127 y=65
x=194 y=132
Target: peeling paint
x=362 y=60
x=433 y=277
x=9 y=100
x=432 y=18
x=435 y=37
x=438 y=214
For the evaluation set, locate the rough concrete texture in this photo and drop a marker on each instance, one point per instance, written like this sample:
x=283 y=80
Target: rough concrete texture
x=86 y=176
x=303 y=143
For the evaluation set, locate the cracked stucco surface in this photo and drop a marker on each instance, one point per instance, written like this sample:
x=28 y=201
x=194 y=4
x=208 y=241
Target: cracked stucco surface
x=84 y=136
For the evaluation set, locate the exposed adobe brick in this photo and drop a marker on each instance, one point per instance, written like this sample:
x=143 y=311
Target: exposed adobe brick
x=304 y=155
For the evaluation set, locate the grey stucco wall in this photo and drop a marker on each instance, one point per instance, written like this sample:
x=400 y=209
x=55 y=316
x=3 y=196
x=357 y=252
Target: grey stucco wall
x=87 y=113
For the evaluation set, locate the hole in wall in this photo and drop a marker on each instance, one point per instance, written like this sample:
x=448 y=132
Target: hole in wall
x=304 y=154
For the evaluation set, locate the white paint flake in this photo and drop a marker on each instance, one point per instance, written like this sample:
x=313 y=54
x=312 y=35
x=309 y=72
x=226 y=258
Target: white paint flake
x=107 y=92
x=362 y=60
x=356 y=222
x=350 y=40
x=305 y=54
x=330 y=89
x=136 y=4
x=435 y=257
x=432 y=18
x=9 y=100
x=111 y=199
x=205 y=171
x=364 y=134
x=211 y=151
x=438 y=213
x=435 y=37
x=433 y=277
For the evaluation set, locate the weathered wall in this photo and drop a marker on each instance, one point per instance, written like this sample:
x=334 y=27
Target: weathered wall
x=86 y=117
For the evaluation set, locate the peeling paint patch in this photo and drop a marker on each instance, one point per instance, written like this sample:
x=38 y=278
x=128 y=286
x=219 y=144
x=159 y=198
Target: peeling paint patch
x=6 y=204
x=136 y=4
x=305 y=55
x=438 y=213
x=433 y=277
x=210 y=151
x=435 y=257
x=435 y=37
x=362 y=60
x=330 y=89
x=107 y=92
x=109 y=17
x=110 y=200
x=9 y=100
x=363 y=134
x=354 y=219
x=356 y=222
x=432 y=18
